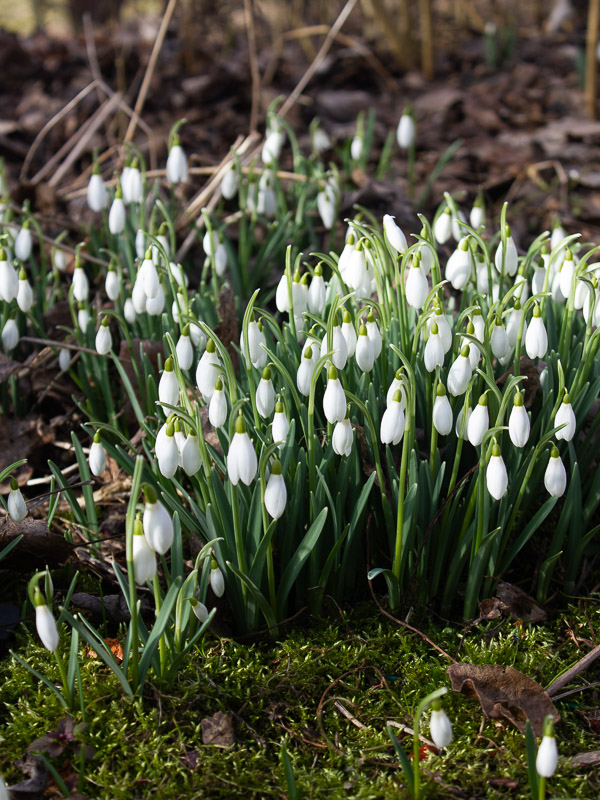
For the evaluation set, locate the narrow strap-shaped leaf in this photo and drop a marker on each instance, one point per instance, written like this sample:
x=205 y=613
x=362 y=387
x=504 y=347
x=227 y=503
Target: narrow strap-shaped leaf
x=403 y=759
x=158 y=628
x=299 y=558
x=531 y=751
x=261 y=600
x=41 y=678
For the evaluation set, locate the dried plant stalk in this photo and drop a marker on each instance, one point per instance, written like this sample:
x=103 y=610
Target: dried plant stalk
x=590 y=57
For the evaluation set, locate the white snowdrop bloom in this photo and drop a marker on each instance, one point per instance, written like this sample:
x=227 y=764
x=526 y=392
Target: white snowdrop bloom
x=117 y=214
x=349 y=333
x=241 y=458
x=511 y=257
x=103 y=338
x=557 y=235
x=111 y=284
x=479 y=422
x=547 y=754
x=442 y=412
x=144 y=559
x=477 y=216
x=210 y=242
x=216 y=578
x=256 y=338
x=129 y=310
x=177 y=163
x=229 y=183
x=168 y=386
x=539 y=277
x=582 y=291
x=460 y=373
x=191 y=460
x=282 y=300
x=442 y=227
x=391 y=429
x=555 y=477
x=83 y=318
x=207 y=370
x=9 y=280
x=156 y=305
x=23 y=242
x=346 y=253
x=417 y=287
x=24 y=293
x=221 y=259
x=251 y=196
x=178 y=274
x=281 y=424
x=273 y=145
x=334 y=399
x=265 y=395
x=434 y=349
x=536 y=339
x=163 y=240
x=356 y=147
x=443 y=326
x=305 y=371
x=460 y=265
x=342 y=438
x=199 y=609
x=184 y=349
x=275 y=492
x=97 y=196
x=138 y=295
x=339 y=348
x=356 y=269
x=197 y=336
x=465 y=411
x=565 y=416
x=97 y=456
x=131 y=183
x=45 y=623
x=10 y=335
x=496 y=476
x=64 y=359
x=567 y=274
x=478 y=325
x=149 y=276
x=365 y=355
x=440 y=727
x=317 y=292
x=474 y=351
x=140 y=243
x=513 y=325
x=518 y=423
x=266 y=201
x=557 y=294
x=81 y=286
x=482 y=274
x=157 y=523
x=395 y=385
x=406 y=131
x=374 y=334
x=17 y=508
x=180 y=440
x=394 y=234
x=499 y=339
x=167 y=453
x=319 y=139
x=327 y=204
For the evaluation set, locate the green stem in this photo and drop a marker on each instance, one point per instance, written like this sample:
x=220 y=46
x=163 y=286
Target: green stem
x=130 y=520
x=63 y=677
x=162 y=645
x=238 y=535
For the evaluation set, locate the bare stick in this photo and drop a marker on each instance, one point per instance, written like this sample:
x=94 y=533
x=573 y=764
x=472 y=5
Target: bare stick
x=590 y=57
x=253 y=65
x=158 y=43
x=573 y=671
x=426 y=39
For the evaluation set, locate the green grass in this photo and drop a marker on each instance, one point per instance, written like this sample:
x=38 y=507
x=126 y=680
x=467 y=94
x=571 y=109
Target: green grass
x=285 y=692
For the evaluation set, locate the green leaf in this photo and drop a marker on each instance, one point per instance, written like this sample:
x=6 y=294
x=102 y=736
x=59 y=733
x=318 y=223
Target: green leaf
x=298 y=559
x=403 y=759
x=261 y=600
x=531 y=751
x=158 y=629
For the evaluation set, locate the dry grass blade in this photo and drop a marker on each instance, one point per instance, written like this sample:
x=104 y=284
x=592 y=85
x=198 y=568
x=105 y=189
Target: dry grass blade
x=254 y=72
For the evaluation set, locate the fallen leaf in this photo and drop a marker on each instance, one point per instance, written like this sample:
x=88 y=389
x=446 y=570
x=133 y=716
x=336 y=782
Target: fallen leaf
x=35 y=785
x=590 y=759
x=218 y=730
x=504 y=783
x=504 y=693
x=511 y=601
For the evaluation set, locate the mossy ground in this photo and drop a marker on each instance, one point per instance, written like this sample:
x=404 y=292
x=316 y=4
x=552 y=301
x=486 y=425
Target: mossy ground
x=286 y=692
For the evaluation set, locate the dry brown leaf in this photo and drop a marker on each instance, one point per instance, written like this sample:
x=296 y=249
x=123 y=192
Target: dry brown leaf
x=218 y=730
x=511 y=601
x=115 y=646
x=504 y=693
x=591 y=759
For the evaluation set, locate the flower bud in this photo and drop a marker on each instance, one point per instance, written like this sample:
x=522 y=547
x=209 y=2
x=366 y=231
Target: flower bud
x=275 y=492
x=157 y=523
x=97 y=456
x=17 y=508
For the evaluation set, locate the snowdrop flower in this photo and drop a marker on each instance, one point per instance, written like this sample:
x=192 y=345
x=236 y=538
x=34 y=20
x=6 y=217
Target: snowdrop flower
x=129 y=310
x=479 y=422
x=356 y=147
x=507 y=263
x=394 y=234
x=273 y=145
x=460 y=373
x=10 y=335
x=241 y=458
x=461 y=428
x=305 y=372
x=349 y=333
x=393 y=388
x=111 y=283
x=547 y=755
x=442 y=227
x=536 y=340
x=555 y=477
x=434 y=349
x=513 y=325
x=207 y=370
x=157 y=522
x=117 y=215
x=97 y=456
x=131 y=183
x=365 y=355
x=177 y=165
x=103 y=338
x=460 y=265
x=184 y=349
x=565 y=416
x=256 y=340
x=444 y=330
x=199 y=609
x=440 y=726
x=482 y=275
x=23 y=242
x=149 y=275
x=17 y=508
x=478 y=325
x=317 y=293
x=499 y=340
x=217 y=581
x=567 y=273
x=144 y=558
x=229 y=183
x=496 y=476
x=518 y=422
x=342 y=438
x=97 y=196
x=457 y=229
x=180 y=439
x=319 y=138
x=477 y=215
x=442 y=412
x=266 y=202
x=374 y=334
x=391 y=429
x=339 y=348
x=417 y=287
x=9 y=281
x=275 y=492
x=81 y=286
x=168 y=386
x=24 y=293
x=334 y=399
x=265 y=394
x=64 y=359
x=217 y=407
x=190 y=455
x=140 y=243
x=167 y=452
x=281 y=424
x=354 y=274
x=406 y=131
x=327 y=204
x=45 y=622
x=83 y=317
x=282 y=300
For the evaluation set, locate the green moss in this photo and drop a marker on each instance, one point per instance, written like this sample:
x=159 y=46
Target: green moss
x=293 y=692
